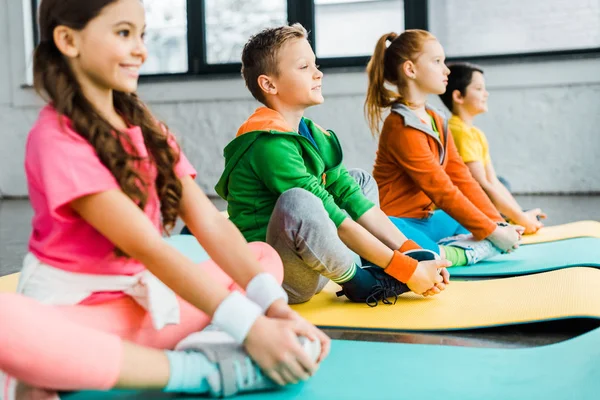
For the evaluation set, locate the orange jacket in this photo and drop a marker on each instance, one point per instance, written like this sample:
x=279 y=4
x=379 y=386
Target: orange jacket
x=415 y=169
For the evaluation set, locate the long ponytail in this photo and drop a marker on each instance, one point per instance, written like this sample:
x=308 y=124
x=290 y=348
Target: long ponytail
x=384 y=67
x=55 y=81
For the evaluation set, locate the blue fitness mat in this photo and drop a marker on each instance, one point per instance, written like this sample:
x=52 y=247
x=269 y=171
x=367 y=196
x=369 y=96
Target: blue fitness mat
x=536 y=258
x=367 y=370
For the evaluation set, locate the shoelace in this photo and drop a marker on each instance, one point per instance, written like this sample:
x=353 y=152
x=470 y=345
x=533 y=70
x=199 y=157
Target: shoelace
x=384 y=289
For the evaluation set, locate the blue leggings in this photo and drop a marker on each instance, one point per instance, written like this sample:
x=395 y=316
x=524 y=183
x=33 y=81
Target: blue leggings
x=427 y=232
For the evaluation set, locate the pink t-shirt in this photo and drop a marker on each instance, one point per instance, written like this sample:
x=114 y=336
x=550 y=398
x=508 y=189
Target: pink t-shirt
x=61 y=166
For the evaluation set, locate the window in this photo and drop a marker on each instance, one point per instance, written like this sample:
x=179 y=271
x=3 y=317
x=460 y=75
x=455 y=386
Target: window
x=197 y=37
x=350 y=28
x=475 y=28
x=229 y=24
x=166 y=37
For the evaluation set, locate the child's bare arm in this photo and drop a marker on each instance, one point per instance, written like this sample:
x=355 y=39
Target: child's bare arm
x=379 y=225
x=503 y=199
x=270 y=341
x=505 y=204
x=117 y=218
x=214 y=232
x=425 y=277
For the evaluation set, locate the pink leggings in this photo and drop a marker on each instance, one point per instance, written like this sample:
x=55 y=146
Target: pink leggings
x=80 y=347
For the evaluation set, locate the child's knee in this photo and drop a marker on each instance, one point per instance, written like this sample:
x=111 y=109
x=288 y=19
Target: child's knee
x=367 y=183
x=269 y=259
x=298 y=205
x=12 y=312
x=297 y=198
x=299 y=298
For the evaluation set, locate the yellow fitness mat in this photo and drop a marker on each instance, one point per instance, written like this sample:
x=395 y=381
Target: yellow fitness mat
x=8 y=283
x=565 y=231
x=560 y=294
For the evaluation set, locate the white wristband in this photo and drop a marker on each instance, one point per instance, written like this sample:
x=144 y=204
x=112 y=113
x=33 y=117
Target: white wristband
x=264 y=290
x=236 y=315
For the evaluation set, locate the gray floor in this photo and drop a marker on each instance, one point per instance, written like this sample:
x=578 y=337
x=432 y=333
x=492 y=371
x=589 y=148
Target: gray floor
x=15 y=222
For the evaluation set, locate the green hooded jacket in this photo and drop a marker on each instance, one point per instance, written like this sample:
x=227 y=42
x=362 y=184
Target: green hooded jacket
x=267 y=158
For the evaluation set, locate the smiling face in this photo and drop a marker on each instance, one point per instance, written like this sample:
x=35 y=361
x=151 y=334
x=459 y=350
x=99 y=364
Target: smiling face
x=298 y=79
x=110 y=50
x=475 y=99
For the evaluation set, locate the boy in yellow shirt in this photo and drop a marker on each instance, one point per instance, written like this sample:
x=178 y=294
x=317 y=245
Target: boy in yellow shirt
x=466 y=97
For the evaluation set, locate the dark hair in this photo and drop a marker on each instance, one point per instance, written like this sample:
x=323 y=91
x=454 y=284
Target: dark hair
x=259 y=56
x=384 y=66
x=55 y=81
x=461 y=75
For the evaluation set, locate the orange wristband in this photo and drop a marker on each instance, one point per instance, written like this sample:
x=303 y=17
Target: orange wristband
x=409 y=245
x=401 y=267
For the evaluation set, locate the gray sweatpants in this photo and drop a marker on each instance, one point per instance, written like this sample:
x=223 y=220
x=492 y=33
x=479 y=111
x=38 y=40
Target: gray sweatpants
x=307 y=240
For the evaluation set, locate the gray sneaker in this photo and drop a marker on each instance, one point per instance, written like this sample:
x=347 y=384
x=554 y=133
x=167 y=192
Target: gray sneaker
x=448 y=241
x=237 y=372
x=476 y=250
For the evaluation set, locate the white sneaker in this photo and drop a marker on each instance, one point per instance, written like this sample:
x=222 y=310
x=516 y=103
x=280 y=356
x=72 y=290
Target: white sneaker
x=215 y=336
x=237 y=372
x=476 y=250
x=448 y=241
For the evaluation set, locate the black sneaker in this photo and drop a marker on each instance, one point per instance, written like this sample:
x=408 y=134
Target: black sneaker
x=422 y=255
x=384 y=286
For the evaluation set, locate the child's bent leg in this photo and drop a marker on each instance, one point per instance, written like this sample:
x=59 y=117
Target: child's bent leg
x=413 y=232
x=265 y=254
x=42 y=348
x=307 y=241
x=442 y=225
x=367 y=184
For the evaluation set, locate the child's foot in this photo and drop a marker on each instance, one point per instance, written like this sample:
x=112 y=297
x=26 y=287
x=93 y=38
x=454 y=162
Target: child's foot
x=384 y=286
x=449 y=240
x=372 y=286
x=236 y=372
x=475 y=250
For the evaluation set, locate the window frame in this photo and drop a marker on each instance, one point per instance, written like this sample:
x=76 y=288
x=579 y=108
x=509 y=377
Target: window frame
x=416 y=16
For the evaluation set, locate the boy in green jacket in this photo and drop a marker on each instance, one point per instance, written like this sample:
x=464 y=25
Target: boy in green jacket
x=285 y=184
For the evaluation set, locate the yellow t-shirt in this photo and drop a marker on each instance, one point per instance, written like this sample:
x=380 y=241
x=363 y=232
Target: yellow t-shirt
x=471 y=143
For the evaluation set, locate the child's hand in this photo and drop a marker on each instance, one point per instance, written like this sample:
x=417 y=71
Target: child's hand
x=428 y=276
x=537 y=213
x=273 y=343
x=506 y=237
x=281 y=310
x=437 y=289
x=530 y=220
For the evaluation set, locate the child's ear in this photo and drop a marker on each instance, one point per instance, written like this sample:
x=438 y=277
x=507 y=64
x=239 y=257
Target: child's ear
x=457 y=97
x=66 y=41
x=267 y=84
x=409 y=70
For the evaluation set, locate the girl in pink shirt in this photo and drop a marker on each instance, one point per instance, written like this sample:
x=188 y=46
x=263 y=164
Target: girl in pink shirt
x=111 y=298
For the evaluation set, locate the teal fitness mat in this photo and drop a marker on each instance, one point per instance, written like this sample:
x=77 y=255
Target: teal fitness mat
x=189 y=246
x=367 y=370
x=529 y=259
x=534 y=258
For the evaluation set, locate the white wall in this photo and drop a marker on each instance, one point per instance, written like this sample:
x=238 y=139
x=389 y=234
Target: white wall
x=542 y=125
